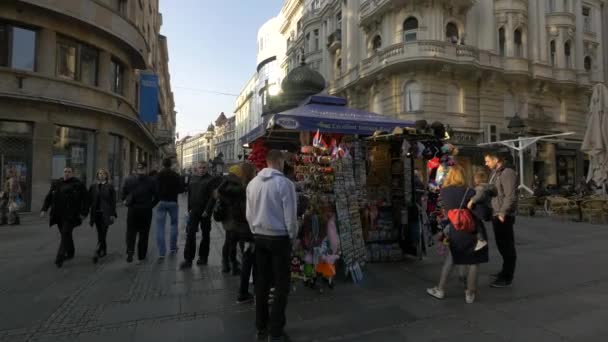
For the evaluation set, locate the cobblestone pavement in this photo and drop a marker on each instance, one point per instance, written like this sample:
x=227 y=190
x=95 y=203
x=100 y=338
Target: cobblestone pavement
x=560 y=294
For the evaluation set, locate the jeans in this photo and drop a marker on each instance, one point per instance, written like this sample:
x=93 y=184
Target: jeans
x=162 y=210
x=138 y=223
x=247 y=268
x=273 y=259
x=66 y=246
x=195 y=222
x=229 y=250
x=505 y=241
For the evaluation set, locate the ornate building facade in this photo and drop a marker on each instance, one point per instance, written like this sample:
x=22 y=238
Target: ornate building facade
x=470 y=64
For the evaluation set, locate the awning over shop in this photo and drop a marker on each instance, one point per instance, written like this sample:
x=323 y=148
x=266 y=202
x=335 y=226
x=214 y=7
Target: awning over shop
x=328 y=114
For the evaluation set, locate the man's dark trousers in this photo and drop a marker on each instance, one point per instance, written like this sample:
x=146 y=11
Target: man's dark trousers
x=505 y=240
x=196 y=221
x=138 y=223
x=273 y=258
x=66 y=246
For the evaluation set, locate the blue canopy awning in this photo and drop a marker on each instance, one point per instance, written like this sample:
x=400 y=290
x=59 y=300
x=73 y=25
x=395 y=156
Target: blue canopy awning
x=328 y=114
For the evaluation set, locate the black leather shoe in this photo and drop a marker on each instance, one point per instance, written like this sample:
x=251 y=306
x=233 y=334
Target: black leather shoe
x=59 y=262
x=262 y=335
x=130 y=258
x=201 y=262
x=185 y=265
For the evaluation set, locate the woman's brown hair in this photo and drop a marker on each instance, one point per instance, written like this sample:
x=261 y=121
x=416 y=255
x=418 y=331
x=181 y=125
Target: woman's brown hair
x=455 y=177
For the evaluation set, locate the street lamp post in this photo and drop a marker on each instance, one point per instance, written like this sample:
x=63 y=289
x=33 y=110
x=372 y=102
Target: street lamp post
x=517 y=126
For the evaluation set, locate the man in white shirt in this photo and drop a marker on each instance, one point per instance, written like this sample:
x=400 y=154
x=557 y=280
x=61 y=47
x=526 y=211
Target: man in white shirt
x=272 y=216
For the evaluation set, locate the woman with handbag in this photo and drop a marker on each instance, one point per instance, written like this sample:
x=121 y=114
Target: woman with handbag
x=462 y=231
x=102 y=211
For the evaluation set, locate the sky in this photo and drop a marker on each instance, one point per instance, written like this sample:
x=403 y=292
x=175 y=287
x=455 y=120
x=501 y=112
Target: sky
x=212 y=46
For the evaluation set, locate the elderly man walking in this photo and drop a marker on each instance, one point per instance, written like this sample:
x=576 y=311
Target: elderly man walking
x=272 y=216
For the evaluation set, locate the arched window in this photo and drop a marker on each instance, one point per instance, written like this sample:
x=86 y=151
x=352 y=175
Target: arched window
x=568 y=55
x=451 y=33
x=377 y=104
x=376 y=43
x=587 y=64
x=518 y=43
x=412 y=96
x=454 y=99
x=552 y=52
x=501 y=41
x=410 y=29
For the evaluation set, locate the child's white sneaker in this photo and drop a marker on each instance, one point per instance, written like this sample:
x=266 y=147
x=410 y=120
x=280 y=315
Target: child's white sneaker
x=480 y=245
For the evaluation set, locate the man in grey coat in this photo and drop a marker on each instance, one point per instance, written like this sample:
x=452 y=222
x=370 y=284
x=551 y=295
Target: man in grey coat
x=504 y=207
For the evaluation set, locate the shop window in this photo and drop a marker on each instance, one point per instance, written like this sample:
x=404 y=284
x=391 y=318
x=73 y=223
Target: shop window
x=501 y=41
x=567 y=54
x=517 y=40
x=77 y=61
x=75 y=148
x=118 y=75
x=451 y=33
x=454 y=99
x=410 y=29
x=412 y=97
x=587 y=64
x=17 y=47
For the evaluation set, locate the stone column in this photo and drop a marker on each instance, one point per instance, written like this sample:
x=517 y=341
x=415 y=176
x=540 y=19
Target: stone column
x=600 y=23
x=42 y=163
x=472 y=26
x=487 y=24
x=578 y=43
x=105 y=71
x=542 y=31
x=509 y=44
x=532 y=45
x=560 y=58
x=45 y=61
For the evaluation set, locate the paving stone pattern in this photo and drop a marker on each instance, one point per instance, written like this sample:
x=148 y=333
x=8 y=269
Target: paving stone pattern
x=560 y=294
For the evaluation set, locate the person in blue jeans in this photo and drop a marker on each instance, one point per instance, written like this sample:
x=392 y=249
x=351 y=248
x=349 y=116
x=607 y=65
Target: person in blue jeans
x=169 y=184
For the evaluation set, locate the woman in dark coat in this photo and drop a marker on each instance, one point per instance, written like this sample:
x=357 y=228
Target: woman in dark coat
x=102 y=210
x=231 y=209
x=68 y=201
x=455 y=195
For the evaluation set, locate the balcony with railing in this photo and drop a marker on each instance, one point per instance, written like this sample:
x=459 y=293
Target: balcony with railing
x=371 y=8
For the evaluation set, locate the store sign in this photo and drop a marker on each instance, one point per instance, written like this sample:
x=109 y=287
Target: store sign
x=287 y=123
x=148 y=97
x=465 y=138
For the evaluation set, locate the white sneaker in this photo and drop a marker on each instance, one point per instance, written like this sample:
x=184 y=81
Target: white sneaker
x=480 y=244
x=436 y=292
x=469 y=297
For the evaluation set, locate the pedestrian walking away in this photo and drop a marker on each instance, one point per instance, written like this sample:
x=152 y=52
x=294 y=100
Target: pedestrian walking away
x=169 y=186
x=462 y=243
x=504 y=206
x=230 y=210
x=140 y=195
x=272 y=215
x=11 y=199
x=102 y=211
x=200 y=191
x=69 y=205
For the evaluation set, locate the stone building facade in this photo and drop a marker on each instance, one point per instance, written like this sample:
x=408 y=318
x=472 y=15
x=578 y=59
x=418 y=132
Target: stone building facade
x=224 y=139
x=472 y=65
x=69 y=74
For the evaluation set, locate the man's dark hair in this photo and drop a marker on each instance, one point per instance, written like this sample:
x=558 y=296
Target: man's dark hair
x=167 y=163
x=494 y=155
x=274 y=156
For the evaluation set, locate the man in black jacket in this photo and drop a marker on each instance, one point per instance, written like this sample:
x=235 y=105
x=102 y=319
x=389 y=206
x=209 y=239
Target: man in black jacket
x=169 y=186
x=140 y=195
x=200 y=192
x=68 y=200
